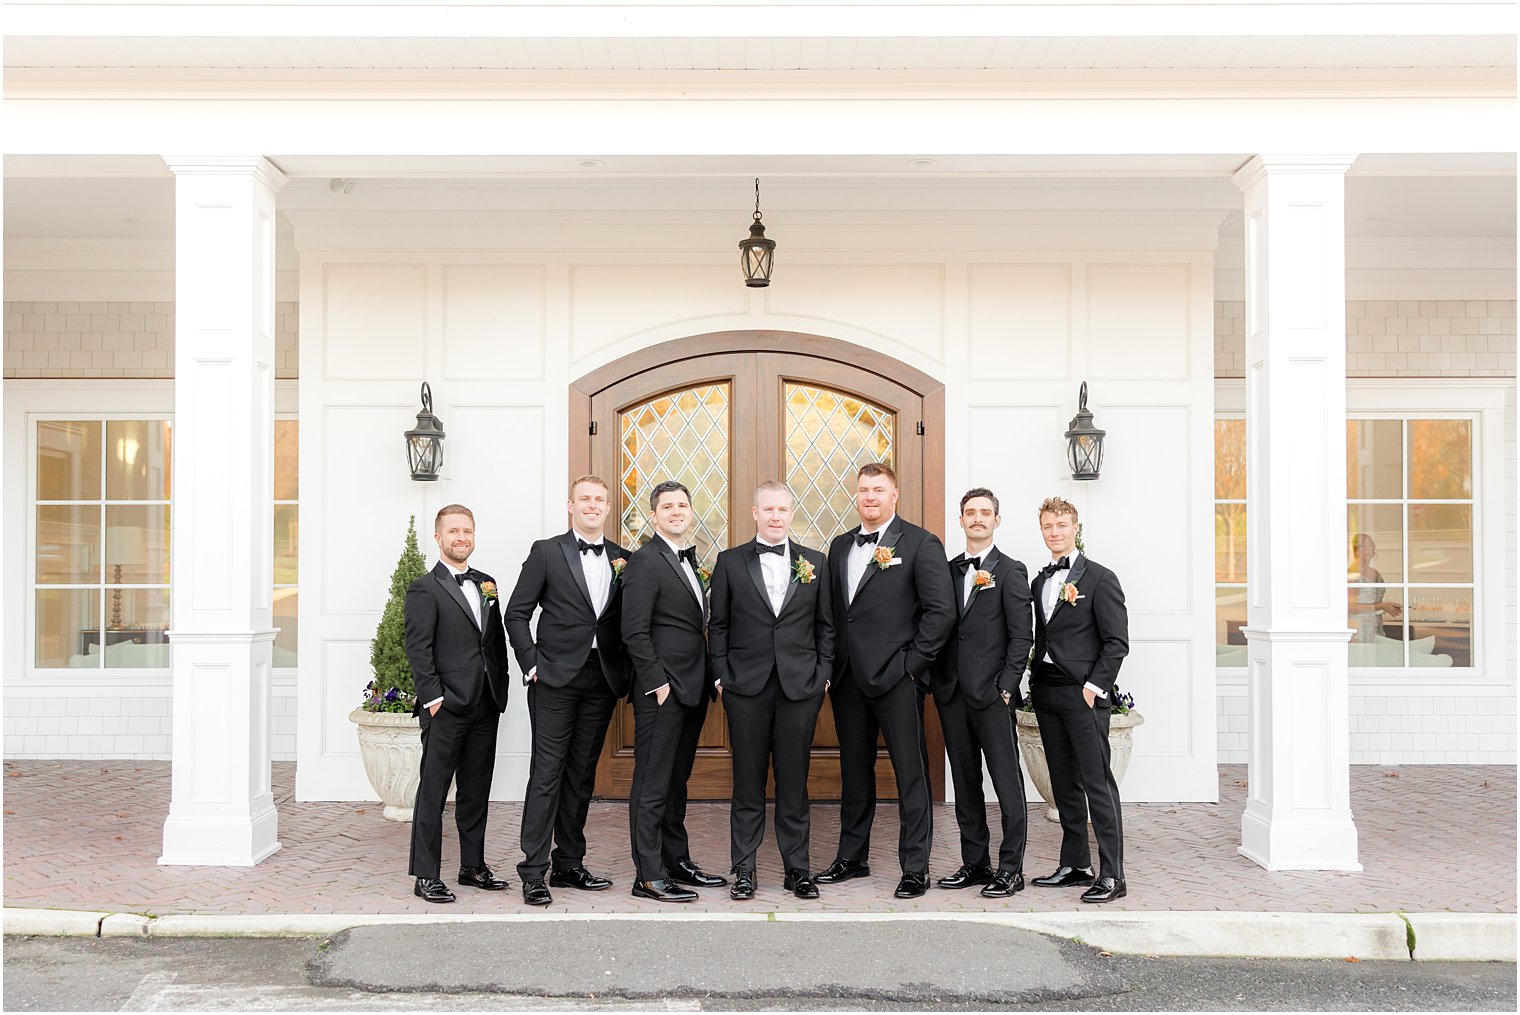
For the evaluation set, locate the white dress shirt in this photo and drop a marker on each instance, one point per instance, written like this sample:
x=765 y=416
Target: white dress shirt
x=970 y=575
x=598 y=571
x=1050 y=596
x=471 y=596
x=774 y=569
x=860 y=556
x=691 y=579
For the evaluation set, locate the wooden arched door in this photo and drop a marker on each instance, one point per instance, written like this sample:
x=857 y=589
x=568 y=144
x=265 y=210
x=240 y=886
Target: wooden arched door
x=722 y=413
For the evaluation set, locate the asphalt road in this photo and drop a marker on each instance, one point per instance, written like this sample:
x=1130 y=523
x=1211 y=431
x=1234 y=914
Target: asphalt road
x=632 y=966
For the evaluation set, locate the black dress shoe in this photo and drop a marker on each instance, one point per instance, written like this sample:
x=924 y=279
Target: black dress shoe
x=578 y=877
x=744 y=884
x=685 y=872
x=1004 y=884
x=536 y=893
x=662 y=890
x=912 y=885
x=800 y=883
x=1106 y=889
x=1065 y=877
x=969 y=874
x=481 y=877
x=843 y=870
x=432 y=890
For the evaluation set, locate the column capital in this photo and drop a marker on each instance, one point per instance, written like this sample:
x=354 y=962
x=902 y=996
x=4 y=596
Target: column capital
x=228 y=165
x=1262 y=165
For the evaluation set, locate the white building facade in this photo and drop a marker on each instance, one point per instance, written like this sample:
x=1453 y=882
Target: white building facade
x=1277 y=243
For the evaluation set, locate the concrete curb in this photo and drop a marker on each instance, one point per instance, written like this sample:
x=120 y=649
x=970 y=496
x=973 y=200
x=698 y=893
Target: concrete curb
x=1472 y=937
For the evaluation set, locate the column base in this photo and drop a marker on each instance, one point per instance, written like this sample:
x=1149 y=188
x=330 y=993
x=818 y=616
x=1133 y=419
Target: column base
x=221 y=841
x=1303 y=841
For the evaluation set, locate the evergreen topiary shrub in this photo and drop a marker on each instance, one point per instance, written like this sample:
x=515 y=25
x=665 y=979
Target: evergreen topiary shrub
x=392 y=689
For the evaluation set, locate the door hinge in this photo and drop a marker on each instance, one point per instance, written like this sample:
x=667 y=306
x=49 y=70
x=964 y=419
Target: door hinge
x=593 y=428
x=920 y=428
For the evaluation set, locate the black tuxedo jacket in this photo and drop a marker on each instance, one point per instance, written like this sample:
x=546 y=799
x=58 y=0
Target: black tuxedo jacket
x=553 y=579
x=665 y=625
x=901 y=615
x=1089 y=639
x=989 y=646
x=747 y=640
x=451 y=657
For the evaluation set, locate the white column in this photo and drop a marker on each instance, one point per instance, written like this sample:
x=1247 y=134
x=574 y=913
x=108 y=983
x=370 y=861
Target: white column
x=1298 y=810
x=221 y=810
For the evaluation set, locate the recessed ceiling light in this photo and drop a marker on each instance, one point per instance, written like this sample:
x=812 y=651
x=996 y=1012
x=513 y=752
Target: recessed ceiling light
x=922 y=163
x=131 y=222
x=591 y=163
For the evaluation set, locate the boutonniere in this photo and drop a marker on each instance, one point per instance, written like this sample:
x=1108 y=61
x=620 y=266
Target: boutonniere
x=704 y=575
x=883 y=557
x=1070 y=595
x=617 y=567
x=980 y=581
x=802 y=571
x=488 y=590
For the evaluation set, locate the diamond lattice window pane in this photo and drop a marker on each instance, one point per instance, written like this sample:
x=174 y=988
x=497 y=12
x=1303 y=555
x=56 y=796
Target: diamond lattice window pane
x=829 y=436
x=682 y=435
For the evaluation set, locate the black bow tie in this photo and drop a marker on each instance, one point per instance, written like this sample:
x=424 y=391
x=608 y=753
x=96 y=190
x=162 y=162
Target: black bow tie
x=779 y=549
x=583 y=546
x=862 y=538
x=974 y=563
x=471 y=575
x=1064 y=564
x=689 y=555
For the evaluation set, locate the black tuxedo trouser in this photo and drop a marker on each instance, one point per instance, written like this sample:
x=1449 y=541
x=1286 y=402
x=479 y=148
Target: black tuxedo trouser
x=664 y=750
x=569 y=726
x=970 y=734
x=456 y=746
x=768 y=729
x=1077 y=753
x=898 y=716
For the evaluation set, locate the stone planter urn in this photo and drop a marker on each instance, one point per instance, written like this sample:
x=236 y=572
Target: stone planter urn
x=1032 y=751
x=391 y=746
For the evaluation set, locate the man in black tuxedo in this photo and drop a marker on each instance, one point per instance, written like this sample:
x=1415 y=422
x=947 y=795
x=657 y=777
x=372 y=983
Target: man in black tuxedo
x=576 y=670
x=772 y=641
x=893 y=607
x=665 y=632
x=458 y=654
x=1081 y=636
x=976 y=685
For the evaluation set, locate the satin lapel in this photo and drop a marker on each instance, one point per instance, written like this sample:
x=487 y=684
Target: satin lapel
x=890 y=536
x=1037 y=591
x=757 y=572
x=675 y=565
x=1074 y=576
x=791 y=581
x=958 y=577
x=454 y=592
x=613 y=552
x=842 y=579
x=573 y=558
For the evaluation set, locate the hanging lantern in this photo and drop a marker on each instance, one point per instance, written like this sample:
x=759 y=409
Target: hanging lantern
x=755 y=253
x=424 y=443
x=1084 y=442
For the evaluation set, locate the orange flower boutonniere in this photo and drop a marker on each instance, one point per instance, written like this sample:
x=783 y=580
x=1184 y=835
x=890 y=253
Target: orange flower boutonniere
x=488 y=590
x=617 y=567
x=1070 y=595
x=883 y=557
x=802 y=571
x=982 y=581
x=704 y=575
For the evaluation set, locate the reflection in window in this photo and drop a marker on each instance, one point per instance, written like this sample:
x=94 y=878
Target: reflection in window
x=681 y=435
x=829 y=435
x=1229 y=541
x=286 y=540
x=101 y=592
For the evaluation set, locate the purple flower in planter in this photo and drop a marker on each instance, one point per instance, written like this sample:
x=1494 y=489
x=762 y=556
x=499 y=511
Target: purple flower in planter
x=392 y=695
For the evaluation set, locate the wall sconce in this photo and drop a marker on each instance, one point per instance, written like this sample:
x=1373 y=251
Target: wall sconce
x=1084 y=442
x=424 y=443
x=755 y=253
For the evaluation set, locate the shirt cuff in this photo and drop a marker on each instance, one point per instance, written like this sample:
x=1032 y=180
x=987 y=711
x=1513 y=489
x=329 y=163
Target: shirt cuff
x=435 y=701
x=1094 y=688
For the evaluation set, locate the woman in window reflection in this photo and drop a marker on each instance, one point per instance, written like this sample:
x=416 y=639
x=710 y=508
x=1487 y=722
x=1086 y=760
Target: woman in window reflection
x=1365 y=604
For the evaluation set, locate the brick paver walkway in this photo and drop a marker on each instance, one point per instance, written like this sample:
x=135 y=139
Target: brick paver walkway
x=86 y=835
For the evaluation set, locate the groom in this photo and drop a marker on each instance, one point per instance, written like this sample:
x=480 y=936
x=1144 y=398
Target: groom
x=457 y=648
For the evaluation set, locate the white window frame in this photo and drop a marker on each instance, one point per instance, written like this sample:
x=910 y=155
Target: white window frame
x=1480 y=400
x=28 y=402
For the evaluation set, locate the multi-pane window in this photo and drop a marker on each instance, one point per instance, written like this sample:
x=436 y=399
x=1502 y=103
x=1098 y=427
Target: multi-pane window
x=1410 y=542
x=101 y=569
